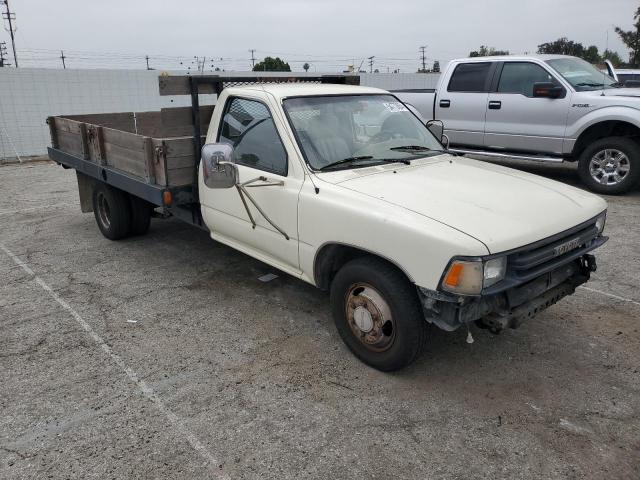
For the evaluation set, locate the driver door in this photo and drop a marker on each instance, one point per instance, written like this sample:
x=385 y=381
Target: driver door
x=264 y=167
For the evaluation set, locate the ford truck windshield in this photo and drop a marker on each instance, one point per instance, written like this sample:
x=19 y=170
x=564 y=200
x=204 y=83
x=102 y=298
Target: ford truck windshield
x=353 y=131
x=581 y=74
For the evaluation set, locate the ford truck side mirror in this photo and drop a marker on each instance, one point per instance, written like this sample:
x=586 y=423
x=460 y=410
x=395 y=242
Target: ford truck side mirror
x=547 y=90
x=218 y=168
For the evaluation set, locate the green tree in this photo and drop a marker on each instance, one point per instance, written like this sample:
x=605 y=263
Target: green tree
x=306 y=67
x=270 y=64
x=563 y=46
x=631 y=39
x=613 y=57
x=591 y=54
x=485 y=51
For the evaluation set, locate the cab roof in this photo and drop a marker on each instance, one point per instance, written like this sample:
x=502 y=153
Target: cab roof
x=504 y=58
x=284 y=90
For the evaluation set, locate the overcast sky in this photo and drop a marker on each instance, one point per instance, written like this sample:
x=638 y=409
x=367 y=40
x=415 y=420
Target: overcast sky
x=329 y=34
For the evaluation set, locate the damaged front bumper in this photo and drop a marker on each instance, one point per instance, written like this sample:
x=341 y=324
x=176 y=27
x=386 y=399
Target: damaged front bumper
x=509 y=307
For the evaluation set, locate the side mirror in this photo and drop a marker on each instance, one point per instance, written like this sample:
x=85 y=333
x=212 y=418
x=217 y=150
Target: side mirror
x=547 y=90
x=217 y=166
x=436 y=127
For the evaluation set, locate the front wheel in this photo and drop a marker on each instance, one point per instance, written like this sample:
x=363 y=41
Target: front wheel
x=611 y=165
x=377 y=313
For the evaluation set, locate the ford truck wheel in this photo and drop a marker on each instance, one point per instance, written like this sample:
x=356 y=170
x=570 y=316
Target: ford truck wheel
x=377 y=313
x=610 y=165
x=112 y=210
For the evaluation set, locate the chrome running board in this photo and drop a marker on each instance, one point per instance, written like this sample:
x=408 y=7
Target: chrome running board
x=515 y=156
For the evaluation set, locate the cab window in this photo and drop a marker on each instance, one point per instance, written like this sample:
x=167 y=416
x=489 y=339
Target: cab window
x=470 y=77
x=249 y=127
x=519 y=77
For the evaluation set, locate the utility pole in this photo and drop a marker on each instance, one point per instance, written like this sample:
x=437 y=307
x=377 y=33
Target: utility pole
x=3 y=53
x=147 y=59
x=424 y=64
x=10 y=17
x=62 y=57
x=253 y=59
x=371 y=63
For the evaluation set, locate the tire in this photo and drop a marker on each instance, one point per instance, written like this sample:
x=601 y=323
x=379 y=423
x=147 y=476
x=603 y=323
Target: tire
x=385 y=301
x=112 y=210
x=140 y=215
x=610 y=166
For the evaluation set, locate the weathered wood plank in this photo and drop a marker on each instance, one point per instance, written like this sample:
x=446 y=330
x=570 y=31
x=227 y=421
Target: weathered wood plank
x=179 y=85
x=171 y=117
x=130 y=161
x=123 y=139
x=149 y=124
x=119 y=121
x=180 y=162
x=84 y=141
x=66 y=125
x=149 y=171
x=181 y=176
x=53 y=131
x=70 y=142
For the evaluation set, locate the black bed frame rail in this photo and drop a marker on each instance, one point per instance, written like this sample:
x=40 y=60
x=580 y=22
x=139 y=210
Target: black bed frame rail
x=181 y=196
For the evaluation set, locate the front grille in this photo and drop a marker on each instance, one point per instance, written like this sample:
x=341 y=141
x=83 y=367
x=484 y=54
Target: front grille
x=540 y=257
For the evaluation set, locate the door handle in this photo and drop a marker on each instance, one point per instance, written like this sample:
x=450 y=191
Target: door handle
x=445 y=103
x=495 y=105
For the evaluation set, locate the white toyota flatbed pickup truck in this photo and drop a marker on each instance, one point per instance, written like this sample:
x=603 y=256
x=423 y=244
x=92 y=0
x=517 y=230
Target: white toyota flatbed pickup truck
x=345 y=188
x=546 y=108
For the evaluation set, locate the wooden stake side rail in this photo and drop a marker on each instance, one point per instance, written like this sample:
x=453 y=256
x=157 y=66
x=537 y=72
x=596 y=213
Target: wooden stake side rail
x=156 y=147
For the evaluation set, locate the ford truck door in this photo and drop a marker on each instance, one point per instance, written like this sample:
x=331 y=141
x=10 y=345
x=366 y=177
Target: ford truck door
x=461 y=104
x=519 y=121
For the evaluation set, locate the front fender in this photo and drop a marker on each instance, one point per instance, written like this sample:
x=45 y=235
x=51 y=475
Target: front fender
x=620 y=113
x=419 y=246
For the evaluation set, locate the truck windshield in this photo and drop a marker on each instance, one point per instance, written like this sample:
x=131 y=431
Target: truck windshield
x=581 y=74
x=351 y=131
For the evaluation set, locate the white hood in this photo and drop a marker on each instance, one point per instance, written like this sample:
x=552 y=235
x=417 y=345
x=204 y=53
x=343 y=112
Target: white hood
x=501 y=207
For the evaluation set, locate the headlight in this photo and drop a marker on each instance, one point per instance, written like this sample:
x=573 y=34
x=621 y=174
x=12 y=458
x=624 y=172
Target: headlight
x=600 y=221
x=469 y=277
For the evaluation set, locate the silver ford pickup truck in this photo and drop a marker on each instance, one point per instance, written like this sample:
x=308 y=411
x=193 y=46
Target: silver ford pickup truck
x=550 y=108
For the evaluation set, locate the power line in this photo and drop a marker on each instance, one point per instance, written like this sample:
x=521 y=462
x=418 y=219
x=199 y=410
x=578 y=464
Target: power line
x=424 y=65
x=371 y=63
x=3 y=53
x=10 y=17
x=253 y=60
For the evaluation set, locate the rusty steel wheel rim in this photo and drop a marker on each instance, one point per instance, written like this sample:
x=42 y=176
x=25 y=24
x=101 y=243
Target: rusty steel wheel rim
x=369 y=317
x=104 y=212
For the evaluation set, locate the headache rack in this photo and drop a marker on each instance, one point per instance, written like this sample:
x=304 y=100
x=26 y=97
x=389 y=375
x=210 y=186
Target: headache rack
x=148 y=154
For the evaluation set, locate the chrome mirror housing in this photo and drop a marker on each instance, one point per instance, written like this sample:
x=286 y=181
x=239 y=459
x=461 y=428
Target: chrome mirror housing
x=218 y=168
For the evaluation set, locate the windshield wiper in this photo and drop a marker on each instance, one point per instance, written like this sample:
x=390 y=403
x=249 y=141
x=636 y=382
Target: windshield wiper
x=411 y=148
x=345 y=161
x=590 y=84
x=419 y=148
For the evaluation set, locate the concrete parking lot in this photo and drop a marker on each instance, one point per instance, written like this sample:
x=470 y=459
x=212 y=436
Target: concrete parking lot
x=164 y=356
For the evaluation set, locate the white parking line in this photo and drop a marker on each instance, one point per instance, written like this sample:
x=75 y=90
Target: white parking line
x=611 y=295
x=146 y=390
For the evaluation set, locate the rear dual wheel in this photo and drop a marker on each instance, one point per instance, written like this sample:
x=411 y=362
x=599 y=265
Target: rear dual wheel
x=118 y=214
